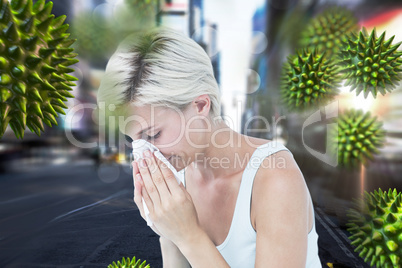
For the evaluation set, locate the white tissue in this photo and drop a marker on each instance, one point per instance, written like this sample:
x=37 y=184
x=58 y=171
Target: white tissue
x=139 y=147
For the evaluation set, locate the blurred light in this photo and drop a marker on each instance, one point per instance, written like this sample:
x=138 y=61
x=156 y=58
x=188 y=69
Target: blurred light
x=74 y=115
x=362 y=179
x=259 y=42
x=389 y=21
x=207 y=35
x=254 y=81
x=357 y=102
x=80 y=76
x=122 y=158
x=108 y=173
x=344 y=89
x=365 y=104
x=260 y=3
x=102 y=15
x=60 y=161
x=120 y=11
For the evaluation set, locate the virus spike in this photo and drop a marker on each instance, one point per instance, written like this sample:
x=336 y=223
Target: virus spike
x=57 y=22
x=45 y=52
x=377 y=236
x=19 y=88
x=32 y=61
x=30 y=43
x=5 y=110
x=57 y=78
x=11 y=33
x=34 y=78
x=25 y=11
x=394 y=207
x=59 y=109
x=43 y=27
x=17 y=128
x=58 y=32
x=28 y=25
x=388 y=42
x=51 y=118
x=35 y=106
x=58 y=102
x=44 y=12
x=21 y=118
x=34 y=93
x=21 y=104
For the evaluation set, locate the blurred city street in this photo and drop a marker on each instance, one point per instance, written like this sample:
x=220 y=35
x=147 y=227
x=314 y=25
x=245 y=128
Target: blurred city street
x=65 y=216
x=66 y=190
x=68 y=216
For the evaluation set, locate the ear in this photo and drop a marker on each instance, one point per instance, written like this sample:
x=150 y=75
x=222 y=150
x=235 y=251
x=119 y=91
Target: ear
x=202 y=104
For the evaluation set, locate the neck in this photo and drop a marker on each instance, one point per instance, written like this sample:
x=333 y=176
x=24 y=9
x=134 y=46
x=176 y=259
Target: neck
x=218 y=160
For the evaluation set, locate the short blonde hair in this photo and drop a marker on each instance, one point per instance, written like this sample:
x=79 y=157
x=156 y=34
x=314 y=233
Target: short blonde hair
x=160 y=66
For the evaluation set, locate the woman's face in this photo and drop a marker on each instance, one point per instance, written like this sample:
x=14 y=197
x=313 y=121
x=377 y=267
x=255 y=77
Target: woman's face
x=179 y=135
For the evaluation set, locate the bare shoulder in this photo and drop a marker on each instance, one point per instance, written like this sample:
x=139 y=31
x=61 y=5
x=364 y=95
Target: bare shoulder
x=279 y=187
x=280 y=212
x=278 y=165
x=279 y=170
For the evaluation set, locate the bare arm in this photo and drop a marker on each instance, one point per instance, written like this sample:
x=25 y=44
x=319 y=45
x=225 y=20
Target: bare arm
x=281 y=208
x=171 y=255
x=201 y=252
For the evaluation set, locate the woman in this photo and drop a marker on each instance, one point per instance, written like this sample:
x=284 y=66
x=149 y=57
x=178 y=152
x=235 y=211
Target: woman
x=244 y=201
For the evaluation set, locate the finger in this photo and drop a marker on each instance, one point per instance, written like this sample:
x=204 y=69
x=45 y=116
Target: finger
x=157 y=176
x=147 y=199
x=136 y=184
x=148 y=183
x=169 y=177
x=183 y=188
x=138 y=197
x=135 y=170
x=135 y=167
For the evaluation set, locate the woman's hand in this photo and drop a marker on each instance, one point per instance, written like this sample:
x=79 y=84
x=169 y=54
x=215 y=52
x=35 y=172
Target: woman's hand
x=137 y=195
x=170 y=205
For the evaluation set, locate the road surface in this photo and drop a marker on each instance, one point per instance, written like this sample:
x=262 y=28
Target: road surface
x=76 y=215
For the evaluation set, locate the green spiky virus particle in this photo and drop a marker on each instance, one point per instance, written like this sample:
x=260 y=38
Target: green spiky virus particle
x=370 y=64
x=308 y=80
x=376 y=228
x=127 y=263
x=358 y=137
x=34 y=60
x=327 y=30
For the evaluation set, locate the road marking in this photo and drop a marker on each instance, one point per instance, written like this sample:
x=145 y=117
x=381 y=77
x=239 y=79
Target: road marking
x=342 y=234
x=21 y=198
x=338 y=241
x=90 y=205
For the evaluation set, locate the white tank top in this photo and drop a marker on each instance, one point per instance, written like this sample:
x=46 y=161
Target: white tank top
x=239 y=247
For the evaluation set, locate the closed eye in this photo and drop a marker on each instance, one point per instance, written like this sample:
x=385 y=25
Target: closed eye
x=157 y=135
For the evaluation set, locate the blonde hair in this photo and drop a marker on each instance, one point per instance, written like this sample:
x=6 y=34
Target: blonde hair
x=160 y=66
